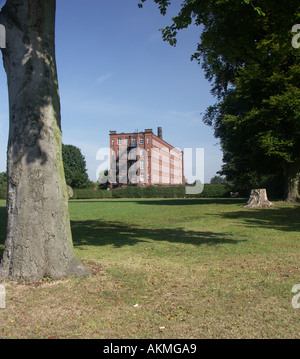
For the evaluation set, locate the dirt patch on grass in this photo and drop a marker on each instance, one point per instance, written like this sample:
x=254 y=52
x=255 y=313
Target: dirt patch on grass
x=50 y=308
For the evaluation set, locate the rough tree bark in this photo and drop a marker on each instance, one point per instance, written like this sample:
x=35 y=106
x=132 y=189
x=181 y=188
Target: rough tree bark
x=39 y=241
x=292 y=183
x=258 y=198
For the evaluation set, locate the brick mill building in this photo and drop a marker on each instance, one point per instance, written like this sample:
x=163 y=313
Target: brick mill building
x=142 y=158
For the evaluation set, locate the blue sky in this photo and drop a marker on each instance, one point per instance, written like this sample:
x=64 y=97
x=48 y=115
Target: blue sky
x=116 y=73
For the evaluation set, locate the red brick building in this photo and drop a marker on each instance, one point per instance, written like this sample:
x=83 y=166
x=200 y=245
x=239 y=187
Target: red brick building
x=142 y=158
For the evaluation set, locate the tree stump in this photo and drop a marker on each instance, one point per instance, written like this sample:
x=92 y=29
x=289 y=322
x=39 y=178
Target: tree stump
x=258 y=198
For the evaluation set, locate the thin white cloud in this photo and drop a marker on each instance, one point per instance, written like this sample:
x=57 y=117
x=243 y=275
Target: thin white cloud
x=104 y=78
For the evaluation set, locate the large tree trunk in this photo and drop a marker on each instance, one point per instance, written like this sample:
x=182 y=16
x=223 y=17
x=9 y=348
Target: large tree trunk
x=292 y=183
x=39 y=241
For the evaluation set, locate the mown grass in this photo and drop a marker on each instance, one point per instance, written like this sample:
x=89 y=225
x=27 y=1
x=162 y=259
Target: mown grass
x=184 y=268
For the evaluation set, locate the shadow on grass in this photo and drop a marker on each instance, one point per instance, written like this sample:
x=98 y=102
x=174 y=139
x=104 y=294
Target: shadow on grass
x=100 y=233
x=192 y=201
x=280 y=218
x=168 y=201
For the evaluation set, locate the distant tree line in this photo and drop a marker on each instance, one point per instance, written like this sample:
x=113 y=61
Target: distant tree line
x=210 y=191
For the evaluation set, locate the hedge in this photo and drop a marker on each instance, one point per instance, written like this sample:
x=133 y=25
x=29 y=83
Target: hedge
x=3 y=185
x=90 y=194
x=3 y=192
x=210 y=191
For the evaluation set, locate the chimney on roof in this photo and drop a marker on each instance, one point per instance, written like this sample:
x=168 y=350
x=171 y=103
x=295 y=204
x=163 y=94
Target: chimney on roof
x=159 y=133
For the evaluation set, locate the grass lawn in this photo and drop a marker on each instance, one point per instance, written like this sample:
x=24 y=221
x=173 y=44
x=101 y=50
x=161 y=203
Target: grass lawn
x=186 y=268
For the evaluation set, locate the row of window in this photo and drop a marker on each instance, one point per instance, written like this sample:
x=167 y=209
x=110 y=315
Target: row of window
x=126 y=141
x=124 y=154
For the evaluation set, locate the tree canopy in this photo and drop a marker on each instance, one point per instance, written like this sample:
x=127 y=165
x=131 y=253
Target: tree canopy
x=247 y=54
x=75 y=167
x=218 y=180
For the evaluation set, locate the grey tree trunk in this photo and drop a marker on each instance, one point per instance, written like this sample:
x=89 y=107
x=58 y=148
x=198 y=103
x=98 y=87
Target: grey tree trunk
x=292 y=190
x=39 y=241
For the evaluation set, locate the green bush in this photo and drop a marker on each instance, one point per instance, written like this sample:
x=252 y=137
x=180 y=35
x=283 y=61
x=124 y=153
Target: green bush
x=213 y=191
x=90 y=194
x=210 y=191
x=130 y=192
x=118 y=193
x=149 y=192
x=3 y=193
x=3 y=185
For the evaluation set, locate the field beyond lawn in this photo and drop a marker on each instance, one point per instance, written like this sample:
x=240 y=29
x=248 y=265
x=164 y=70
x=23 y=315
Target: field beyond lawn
x=167 y=268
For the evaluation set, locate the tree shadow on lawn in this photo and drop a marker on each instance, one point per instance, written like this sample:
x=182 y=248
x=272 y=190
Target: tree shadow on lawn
x=100 y=233
x=192 y=201
x=284 y=219
x=168 y=201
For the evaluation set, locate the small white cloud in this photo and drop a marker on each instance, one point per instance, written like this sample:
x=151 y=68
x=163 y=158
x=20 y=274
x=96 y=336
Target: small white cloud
x=104 y=77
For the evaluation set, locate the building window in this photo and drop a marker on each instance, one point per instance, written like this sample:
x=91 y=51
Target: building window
x=112 y=142
x=148 y=141
x=134 y=141
x=119 y=141
x=142 y=164
x=126 y=141
x=141 y=140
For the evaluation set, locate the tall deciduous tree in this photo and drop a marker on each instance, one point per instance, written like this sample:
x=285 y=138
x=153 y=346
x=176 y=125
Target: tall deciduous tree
x=39 y=241
x=75 y=167
x=246 y=53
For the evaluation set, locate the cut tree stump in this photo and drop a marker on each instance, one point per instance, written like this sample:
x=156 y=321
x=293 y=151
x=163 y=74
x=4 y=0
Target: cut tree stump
x=258 y=198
